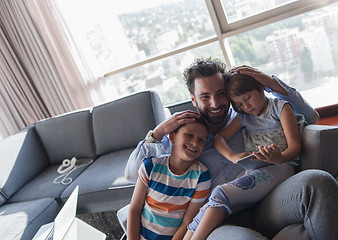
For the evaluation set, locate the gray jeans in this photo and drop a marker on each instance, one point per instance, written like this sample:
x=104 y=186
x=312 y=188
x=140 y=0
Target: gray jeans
x=305 y=206
x=309 y=198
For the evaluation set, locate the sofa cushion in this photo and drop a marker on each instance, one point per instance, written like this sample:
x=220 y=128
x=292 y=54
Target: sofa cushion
x=104 y=175
x=22 y=220
x=123 y=123
x=43 y=185
x=22 y=158
x=67 y=136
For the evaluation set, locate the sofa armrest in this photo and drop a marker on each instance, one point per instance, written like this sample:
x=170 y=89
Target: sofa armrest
x=22 y=157
x=320 y=149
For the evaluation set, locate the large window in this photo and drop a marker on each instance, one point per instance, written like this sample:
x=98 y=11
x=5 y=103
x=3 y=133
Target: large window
x=301 y=50
x=116 y=34
x=163 y=76
x=134 y=45
x=236 y=10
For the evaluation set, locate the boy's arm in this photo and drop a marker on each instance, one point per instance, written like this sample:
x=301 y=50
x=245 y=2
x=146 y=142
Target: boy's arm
x=220 y=141
x=190 y=213
x=135 y=210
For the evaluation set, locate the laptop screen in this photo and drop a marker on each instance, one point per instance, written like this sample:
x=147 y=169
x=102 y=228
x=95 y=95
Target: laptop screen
x=66 y=216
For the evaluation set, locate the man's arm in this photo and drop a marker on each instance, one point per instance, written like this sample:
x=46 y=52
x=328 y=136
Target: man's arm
x=146 y=149
x=172 y=123
x=299 y=104
x=281 y=90
x=266 y=80
x=143 y=151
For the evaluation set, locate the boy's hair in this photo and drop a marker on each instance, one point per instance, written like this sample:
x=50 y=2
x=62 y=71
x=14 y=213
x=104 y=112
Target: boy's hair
x=197 y=120
x=202 y=68
x=237 y=84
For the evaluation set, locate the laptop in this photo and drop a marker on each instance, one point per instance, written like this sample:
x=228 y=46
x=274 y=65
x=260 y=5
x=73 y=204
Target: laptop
x=67 y=226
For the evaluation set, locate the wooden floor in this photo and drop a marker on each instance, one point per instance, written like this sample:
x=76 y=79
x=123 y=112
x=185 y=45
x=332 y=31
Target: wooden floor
x=106 y=222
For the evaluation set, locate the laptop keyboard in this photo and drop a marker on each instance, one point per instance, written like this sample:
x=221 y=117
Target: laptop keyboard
x=50 y=235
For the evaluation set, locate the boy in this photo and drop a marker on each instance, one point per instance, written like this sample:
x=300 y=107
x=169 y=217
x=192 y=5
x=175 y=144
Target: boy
x=170 y=189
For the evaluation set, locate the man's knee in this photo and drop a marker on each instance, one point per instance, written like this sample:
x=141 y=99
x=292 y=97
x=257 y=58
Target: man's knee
x=315 y=179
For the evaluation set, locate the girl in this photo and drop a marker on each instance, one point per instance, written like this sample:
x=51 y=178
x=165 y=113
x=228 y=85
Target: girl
x=270 y=133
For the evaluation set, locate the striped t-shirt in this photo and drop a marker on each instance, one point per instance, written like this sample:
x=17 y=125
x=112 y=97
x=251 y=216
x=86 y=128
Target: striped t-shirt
x=169 y=195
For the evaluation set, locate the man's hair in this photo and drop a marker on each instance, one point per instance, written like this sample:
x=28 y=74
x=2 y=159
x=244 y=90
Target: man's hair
x=202 y=68
x=237 y=84
x=197 y=120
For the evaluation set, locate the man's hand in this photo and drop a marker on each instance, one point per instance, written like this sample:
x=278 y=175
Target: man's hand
x=264 y=79
x=171 y=124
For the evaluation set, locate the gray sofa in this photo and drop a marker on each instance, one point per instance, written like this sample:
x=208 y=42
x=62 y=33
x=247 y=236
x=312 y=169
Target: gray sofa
x=319 y=151
x=106 y=134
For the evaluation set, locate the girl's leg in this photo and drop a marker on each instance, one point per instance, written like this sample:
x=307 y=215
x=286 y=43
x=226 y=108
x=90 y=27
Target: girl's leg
x=237 y=195
x=188 y=235
x=249 y=189
x=212 y=218
x=210 y=215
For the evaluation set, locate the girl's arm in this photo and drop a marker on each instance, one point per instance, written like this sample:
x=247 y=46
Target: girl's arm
x=135 y=210
x=290 y=128
x=190 y=213
x=223 y=136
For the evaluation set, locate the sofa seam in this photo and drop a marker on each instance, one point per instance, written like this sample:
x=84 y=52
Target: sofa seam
x=151 y=96
x=92 y=134
x=4 y=195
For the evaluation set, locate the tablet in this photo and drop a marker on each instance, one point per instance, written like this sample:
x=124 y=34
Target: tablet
x=247 y=164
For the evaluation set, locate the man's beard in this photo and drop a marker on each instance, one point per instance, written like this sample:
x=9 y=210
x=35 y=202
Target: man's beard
x=213 y=120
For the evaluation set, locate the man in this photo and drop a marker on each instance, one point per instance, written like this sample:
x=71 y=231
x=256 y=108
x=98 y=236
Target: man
x=291 y=203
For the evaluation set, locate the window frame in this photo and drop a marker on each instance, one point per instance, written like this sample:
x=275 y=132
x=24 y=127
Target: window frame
x=223 y=29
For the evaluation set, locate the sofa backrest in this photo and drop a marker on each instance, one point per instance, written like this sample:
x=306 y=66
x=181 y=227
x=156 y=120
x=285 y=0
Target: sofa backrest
x=182 y=106
x=67 y=136
x=121 y=124
x=22 y=157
